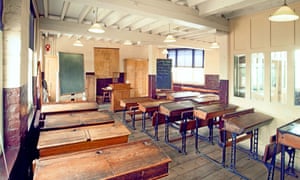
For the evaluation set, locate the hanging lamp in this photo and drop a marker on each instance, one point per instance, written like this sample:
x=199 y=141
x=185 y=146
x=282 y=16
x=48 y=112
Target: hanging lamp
x=96 y=27
x=169 y=38
x=284 y=14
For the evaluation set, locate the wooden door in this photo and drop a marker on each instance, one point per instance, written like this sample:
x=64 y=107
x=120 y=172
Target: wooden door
x=90 y=87
x=137 y=75
x=51 y=75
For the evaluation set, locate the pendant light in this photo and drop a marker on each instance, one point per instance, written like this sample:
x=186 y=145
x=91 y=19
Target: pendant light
x=169 y=38
x=284 y=14
x=96 y=27
x=215 y=44
x=78 y=43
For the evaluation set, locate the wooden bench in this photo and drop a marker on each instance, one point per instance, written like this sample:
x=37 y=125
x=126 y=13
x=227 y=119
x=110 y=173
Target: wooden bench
x=71 y=140
x=134 y=160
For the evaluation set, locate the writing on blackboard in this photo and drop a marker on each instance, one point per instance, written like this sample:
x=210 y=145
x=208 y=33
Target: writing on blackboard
x=163 y=73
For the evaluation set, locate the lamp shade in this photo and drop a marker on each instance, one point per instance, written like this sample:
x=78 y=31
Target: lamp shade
x=214 y=45
x=169 y=39
x=96 y=28
x=284 y=14
x=77 y=43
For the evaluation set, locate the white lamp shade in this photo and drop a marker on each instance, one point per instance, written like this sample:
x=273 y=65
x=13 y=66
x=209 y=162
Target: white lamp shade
x=77 y=43
x=96 y=28
x=284 y=14
x=169 y=39
x=214 y=45
x=127 y=42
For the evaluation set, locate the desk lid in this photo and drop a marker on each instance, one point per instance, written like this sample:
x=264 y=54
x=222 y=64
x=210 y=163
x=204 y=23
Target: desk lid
x=291 y=128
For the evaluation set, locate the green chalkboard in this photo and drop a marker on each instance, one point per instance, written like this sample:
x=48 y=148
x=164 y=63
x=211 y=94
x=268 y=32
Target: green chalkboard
x=163 y=74
x=71 y=73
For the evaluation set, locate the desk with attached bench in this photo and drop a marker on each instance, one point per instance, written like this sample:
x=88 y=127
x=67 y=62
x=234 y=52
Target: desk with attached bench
x=134 y=160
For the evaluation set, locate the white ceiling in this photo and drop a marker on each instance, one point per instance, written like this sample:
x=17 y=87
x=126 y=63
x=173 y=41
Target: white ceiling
x=146 y=21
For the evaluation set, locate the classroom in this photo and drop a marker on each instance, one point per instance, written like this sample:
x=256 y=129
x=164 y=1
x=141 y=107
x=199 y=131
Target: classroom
x=156 y=89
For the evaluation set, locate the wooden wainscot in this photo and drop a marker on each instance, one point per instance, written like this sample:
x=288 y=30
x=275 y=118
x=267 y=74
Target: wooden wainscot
x=134 y=160
x=76 y=139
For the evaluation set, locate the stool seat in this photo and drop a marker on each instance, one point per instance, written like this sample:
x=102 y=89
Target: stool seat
x=106 y=96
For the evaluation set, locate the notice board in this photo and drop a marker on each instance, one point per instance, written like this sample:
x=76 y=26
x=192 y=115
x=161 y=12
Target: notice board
x=71 y=73
x=163 y=74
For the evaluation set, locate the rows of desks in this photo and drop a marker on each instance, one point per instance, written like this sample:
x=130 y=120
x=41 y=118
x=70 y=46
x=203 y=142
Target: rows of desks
x=207 y=111
x=85 y=143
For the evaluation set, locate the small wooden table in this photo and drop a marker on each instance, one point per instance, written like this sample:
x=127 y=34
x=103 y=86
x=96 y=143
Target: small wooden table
x=74 y=119
x=176 y=96
x=244 y=122
x=127 y=103
x=71 y=140
x=288 y=135
x=134 y=160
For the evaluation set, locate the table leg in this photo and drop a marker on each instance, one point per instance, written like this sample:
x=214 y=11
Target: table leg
x=233 y=152
x=254 y=152
x=124 y=115
x=167 y=129
x=282 y=162
x=196 y=137
x=144 y=122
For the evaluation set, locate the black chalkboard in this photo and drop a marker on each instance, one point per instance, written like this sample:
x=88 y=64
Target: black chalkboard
x=71 y=73
x=163 y=74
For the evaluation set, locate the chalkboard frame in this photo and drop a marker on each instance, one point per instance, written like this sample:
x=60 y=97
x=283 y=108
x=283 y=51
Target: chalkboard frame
x=163 y=74
x=71 y=73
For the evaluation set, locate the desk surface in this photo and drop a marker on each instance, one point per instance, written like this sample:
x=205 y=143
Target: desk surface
x=135 y=160
x=151 y=105
x=71 y=140
x=173 y=109
x=214 y=110
x=75 y=119
x=68 y=106
x=133 y=101
x=289 y=134
x=246 y=122
x=182 y=95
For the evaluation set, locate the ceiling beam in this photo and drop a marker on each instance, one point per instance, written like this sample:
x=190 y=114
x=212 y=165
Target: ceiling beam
x=162 y=10
x=55 y=26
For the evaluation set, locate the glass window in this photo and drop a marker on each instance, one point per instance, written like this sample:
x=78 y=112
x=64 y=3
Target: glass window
x=257 y=76
x=279 y=77
x=297 y=77
x=172 y=55
x=199 y=58
x=239 y=75
x=185 y=58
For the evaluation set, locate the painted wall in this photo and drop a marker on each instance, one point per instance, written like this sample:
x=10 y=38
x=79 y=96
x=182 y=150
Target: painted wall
x=253 y=34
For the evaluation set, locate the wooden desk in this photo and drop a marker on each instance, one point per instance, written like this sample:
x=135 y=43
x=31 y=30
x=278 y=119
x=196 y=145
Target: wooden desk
x=74 y=119
x=48 y=108
x=176 y=96
x=241 y=122
x=135 y=160
x=288 y=135
x=206 y=99
x=172 y=112
x=71 y=140
x=207 y=114
x=149 y=108
x=132 y=102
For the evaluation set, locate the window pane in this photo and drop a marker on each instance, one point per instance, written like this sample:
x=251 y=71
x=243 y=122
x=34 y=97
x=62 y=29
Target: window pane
x=239 y=75
x=199 y=58
x=279 y=77
x=188 y=75
x=172 y=55
x=297 y=77
x=257 y=76
x=185 y=58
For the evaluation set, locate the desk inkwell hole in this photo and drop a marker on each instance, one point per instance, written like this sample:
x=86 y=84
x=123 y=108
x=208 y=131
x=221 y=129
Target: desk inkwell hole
x=99 y=152
x=72 y=97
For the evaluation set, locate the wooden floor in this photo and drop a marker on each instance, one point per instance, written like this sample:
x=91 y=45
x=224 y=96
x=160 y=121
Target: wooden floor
x=197 y=166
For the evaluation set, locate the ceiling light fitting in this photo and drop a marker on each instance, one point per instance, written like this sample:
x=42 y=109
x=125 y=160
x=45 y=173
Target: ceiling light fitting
x=78 y=43
x=214 y=45
x=284 y=14
x=96 y=27
x=127 y=42
x=169 y=37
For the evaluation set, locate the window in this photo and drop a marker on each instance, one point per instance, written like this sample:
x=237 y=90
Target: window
x=257 y=76
x=187 y=66
x=279 y=77
x=239 y=75
x=297 y=77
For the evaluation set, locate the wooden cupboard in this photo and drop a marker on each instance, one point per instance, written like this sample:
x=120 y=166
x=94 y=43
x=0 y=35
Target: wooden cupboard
x=137 y=75
x=106 y=62
x=51 y=75
x=90 y=86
